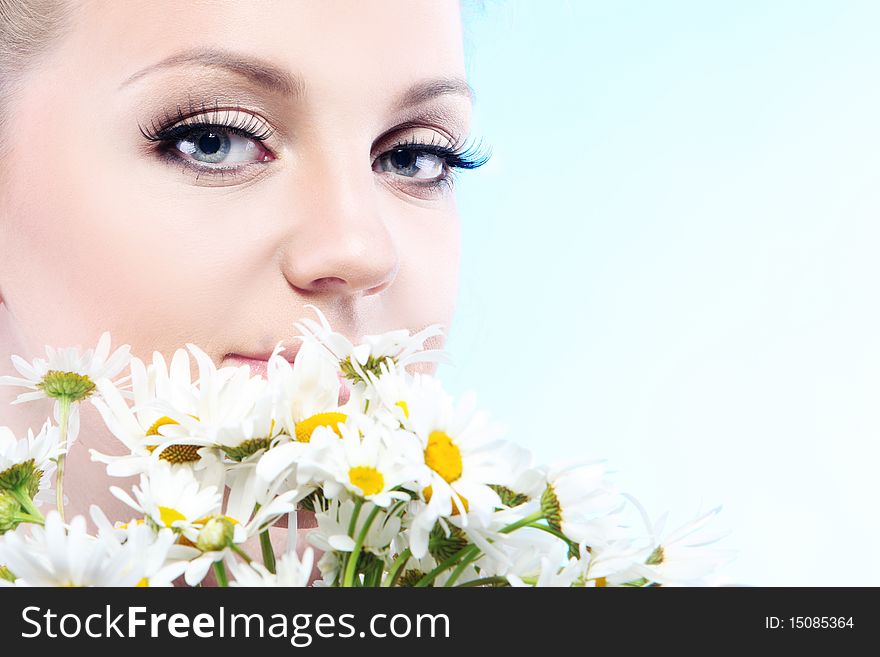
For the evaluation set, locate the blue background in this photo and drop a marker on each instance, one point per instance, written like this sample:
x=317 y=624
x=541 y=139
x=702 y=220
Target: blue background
x=671 y=261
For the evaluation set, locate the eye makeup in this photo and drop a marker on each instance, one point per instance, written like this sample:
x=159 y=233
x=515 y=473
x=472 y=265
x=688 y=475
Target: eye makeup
x=408 y=153
x=198 y=138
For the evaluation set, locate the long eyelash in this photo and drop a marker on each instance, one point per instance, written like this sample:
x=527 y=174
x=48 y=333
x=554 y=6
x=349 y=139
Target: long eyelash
x=172 y=127
x=203 y=117
x=464 y=157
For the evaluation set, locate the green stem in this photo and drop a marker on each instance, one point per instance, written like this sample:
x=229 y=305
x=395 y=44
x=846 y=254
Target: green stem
x=268 y=552
x=24 y=517
x=352 y=524
x=62 y=442
x=374 y=575
x=394 y=509
x=557 y=534
x=460 y=568
x=497 y=579
x=26 y=502
x=427 y=579
x=537 y=515
x=220 y=571
x=397 y=568
x=244 y=555
x=358 y=503
x=351 y=566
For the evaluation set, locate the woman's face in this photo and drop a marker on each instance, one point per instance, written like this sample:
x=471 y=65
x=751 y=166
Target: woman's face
x=218 y=234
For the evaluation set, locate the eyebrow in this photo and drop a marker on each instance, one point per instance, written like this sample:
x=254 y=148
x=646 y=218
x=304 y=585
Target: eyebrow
x=278 y=80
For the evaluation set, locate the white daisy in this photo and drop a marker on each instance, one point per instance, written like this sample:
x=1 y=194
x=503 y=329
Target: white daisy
x=232 y=411
x=227 y=418
x=307 y=395
x=397 y=346
x=579 y=502
x=162 y=560
x=173 y=498
x=464 y=454
x=612 y=563
x=683 y=556
x=67 y=374
x=369 y=464
x=298 y=461
x=22 y=460
x=139 y=427
x=58 y=556
x=50 y=376
x=307 y=391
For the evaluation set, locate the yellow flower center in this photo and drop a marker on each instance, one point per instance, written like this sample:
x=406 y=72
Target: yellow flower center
x=178 y=454
x=443 y=456
x=161 y=422
x=143 y=583
x=168 y=515
x=305 y=428
x=175 y=454
x=404 y=407
x=428 y=491
x=368 y=479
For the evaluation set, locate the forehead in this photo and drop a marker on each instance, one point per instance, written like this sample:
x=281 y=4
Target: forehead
x=360 y=49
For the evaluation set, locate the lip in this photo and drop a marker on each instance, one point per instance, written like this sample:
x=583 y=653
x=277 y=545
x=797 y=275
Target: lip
x=260 y=365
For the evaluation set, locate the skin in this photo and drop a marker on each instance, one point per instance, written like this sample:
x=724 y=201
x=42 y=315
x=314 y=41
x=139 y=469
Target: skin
x=99 y=232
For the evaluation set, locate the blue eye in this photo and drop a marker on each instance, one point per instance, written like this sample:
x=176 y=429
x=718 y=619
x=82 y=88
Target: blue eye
x=212 y=141
x=223 y=144
x=412 y=163
x=430 y=165
x=220 y=145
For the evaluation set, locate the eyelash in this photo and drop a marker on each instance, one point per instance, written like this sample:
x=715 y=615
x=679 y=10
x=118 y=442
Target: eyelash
x=172 y=129
x=466 y=157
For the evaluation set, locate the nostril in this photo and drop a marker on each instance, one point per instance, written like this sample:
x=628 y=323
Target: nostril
x=327 y=282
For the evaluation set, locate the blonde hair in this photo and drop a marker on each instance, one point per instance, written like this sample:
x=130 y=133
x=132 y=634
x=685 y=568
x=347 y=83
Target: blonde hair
x=28 y=28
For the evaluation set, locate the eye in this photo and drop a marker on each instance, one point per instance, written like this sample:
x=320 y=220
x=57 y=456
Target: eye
x=428 y=167
x=220 y=145
x=227 y=144
x=412 y=162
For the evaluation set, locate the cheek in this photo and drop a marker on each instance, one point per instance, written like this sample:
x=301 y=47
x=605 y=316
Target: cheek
x=97 y=236
x=93 y=248
x=426 y=287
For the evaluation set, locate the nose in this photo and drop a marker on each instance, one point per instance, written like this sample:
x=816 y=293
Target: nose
x=339 y=242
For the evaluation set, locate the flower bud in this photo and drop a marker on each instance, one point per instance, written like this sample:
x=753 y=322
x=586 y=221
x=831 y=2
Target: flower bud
x=216 y=534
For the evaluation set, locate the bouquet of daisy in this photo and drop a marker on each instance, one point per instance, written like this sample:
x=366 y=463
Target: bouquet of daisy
x=409 y=486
